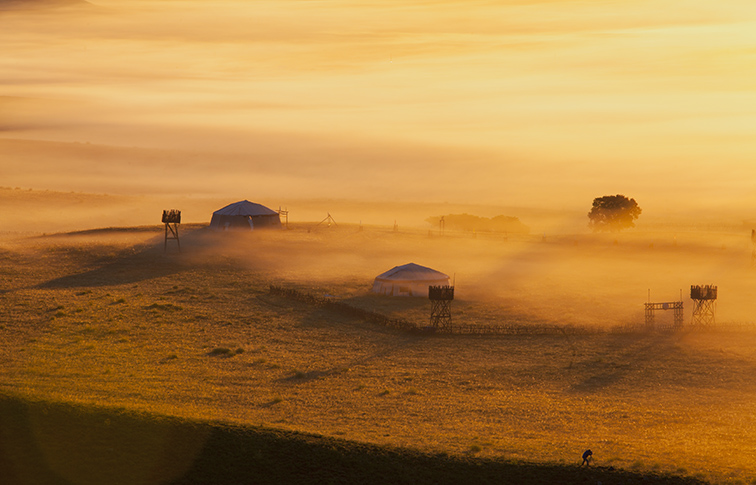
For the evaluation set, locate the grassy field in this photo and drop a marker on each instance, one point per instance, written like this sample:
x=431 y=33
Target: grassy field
x=108 y=319
x=56 y=443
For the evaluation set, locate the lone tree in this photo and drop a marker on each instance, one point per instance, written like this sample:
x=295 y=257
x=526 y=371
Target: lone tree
x=613 y=213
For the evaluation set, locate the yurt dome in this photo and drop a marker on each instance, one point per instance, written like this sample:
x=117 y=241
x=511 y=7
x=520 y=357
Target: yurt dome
x=244 y=215
x=408 y=280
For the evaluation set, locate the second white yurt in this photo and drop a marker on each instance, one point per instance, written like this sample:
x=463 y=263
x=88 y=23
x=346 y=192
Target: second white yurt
x=408 y=280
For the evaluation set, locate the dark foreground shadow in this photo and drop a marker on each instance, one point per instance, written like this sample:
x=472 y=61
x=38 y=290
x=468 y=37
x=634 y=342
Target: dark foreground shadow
x=52 y=443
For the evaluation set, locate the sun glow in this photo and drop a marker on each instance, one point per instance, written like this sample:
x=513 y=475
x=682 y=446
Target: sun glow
x=596 y=92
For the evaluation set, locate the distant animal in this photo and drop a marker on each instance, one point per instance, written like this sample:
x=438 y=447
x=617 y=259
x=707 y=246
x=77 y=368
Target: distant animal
x=587 y=456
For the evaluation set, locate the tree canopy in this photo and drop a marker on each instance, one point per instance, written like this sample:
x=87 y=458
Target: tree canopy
x=613 y=213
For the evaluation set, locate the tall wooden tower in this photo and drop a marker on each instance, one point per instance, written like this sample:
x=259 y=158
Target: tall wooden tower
x=704 y=305
x=441 y=298
x=171 y=219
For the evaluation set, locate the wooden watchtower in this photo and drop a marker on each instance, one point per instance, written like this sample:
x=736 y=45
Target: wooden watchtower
x=441 y=298
x=171 y=219
x=704 y=305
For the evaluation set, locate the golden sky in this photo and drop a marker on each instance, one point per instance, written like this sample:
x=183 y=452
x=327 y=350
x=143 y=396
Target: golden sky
x=505 y=102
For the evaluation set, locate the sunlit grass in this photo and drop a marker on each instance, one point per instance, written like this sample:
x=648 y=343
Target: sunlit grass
x=655 y=402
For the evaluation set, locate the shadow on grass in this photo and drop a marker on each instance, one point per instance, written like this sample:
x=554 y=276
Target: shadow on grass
x=52 y=443
x=311 y=375
x=624 y=355
x=130 y=265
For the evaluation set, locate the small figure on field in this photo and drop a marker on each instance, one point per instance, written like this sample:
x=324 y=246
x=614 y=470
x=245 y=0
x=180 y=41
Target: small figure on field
x=587 y=457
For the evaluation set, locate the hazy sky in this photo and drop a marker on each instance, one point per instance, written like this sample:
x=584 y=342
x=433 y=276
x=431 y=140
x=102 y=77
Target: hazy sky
x=505 y=102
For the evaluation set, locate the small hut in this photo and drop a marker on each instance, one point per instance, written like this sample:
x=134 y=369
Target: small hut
x=409 y=280
x=244 y=216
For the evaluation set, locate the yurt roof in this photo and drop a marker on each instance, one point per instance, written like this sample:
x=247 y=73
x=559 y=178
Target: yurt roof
x=245 y=208
x=412 y=272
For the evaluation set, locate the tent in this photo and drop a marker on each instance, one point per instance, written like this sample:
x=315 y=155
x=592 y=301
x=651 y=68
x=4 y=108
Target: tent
x=244 y=215
x=408 y=280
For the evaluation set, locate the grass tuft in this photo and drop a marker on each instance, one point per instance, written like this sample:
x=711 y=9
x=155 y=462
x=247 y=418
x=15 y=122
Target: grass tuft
x=165 y=307
x=221 y=351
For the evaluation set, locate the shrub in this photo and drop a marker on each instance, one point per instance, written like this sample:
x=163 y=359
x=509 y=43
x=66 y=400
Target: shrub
x=167 y=307
x=220 y=351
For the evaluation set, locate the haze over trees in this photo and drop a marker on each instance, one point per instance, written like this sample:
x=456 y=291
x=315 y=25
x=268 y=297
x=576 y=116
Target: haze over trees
x=470 y=223
x=613 y=213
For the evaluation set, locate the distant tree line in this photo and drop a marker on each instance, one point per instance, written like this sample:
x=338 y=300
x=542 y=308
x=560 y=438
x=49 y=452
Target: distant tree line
x=470 y=223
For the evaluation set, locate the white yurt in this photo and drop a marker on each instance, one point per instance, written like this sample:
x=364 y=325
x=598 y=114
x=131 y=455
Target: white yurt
x=408 y=280
x=246 y=216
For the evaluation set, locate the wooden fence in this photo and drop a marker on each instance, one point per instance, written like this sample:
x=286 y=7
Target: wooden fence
x=402 y=324
x=338 y=306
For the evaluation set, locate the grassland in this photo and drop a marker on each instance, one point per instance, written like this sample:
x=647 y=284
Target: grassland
x=107 y=319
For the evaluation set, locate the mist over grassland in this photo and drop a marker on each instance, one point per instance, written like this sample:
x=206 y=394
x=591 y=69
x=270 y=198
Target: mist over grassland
x=107 y=318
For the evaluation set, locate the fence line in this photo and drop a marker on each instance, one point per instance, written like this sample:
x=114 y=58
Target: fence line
x=487 y=329
x=402 y=324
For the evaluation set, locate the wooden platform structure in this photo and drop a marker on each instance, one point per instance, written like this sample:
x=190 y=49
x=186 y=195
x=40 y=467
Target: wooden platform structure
x=441 y=298
x=171 y=219
x=675 y=306
x=704 y=305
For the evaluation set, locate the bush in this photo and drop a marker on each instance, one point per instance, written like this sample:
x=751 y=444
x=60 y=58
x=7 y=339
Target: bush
x=220 y=351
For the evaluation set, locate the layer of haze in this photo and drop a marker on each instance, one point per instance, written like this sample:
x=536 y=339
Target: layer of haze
x=522 y=102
